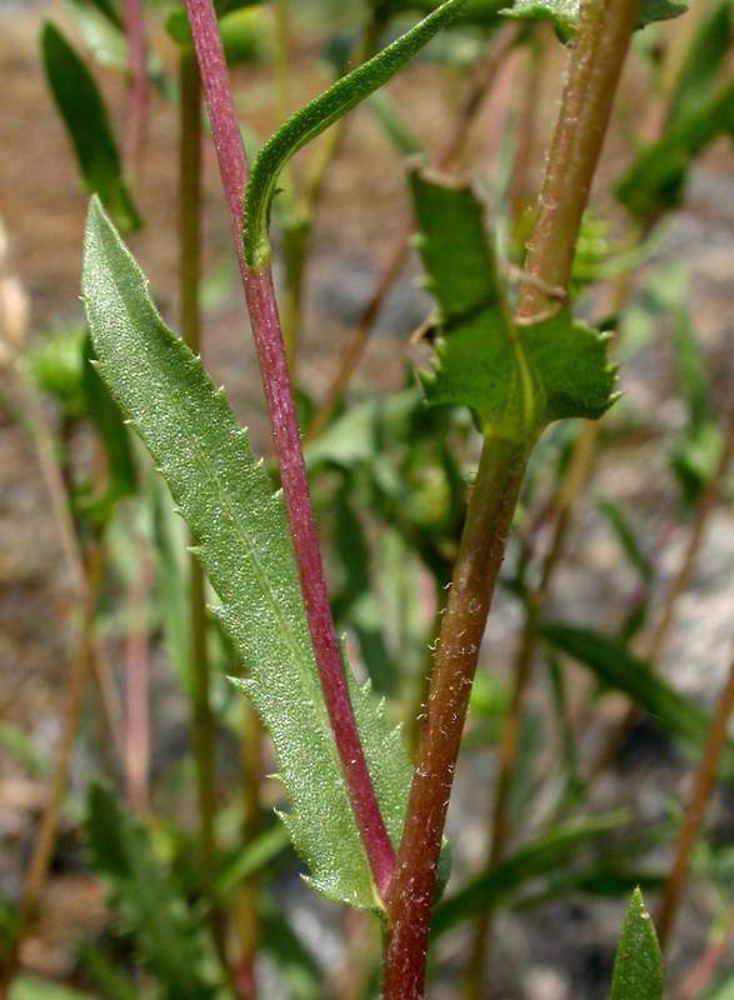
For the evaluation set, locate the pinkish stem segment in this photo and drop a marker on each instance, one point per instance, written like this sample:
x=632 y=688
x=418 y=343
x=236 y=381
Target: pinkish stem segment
x=263 y=310
x=138 y=98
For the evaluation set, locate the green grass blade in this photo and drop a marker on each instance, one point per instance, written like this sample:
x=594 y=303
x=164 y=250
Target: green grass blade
x=318 y=115
x=492 y=888
x=617 y=667
x=225 y=496
x=81 y=106
x=638 y=967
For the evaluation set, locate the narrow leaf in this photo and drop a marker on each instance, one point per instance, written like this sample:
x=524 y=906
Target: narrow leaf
x=82 y=108
x=656 y=179
x=316 y=116
x=226 y=498
x=617 y=667
x=492 y=888
x=704 y=62
x=516 y=379
x=638 y=967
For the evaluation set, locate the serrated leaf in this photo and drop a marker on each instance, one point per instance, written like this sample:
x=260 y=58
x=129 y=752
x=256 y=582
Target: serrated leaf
x=144 y=896
x=564 y=14
x=313 y=119
x=81 y=106
x=515 y=378
x=656 y=179
x=638 y=966
x=226 y=498
x=617 y=667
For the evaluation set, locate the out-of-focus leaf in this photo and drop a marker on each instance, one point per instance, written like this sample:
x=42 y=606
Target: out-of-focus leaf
x=656 y=179
x=492 y=888
x=28 y=987
x=147 y=901
x=80 y=105
x=109 y=9
x=16 y=742
x=103 y=39
x=295 y=963
x=106 y=974
x=619 y=522
x=239 y=28
x=617 y=667
x=638 y=966
x=57 y=365
x=564 y=14
x=704 y=62
x=253 y=857
x=696 y=454
x=226 y=498
x=516 y=379
x=393 y=125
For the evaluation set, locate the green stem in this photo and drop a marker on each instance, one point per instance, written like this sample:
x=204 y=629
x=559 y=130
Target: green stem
x=189 y=304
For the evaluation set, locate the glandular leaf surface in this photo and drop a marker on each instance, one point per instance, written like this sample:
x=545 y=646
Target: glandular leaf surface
x=226 y=498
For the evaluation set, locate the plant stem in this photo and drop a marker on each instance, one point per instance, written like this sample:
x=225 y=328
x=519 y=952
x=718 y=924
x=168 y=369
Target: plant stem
x=134 y=19
x=489 y=516
x=189 y=306
x=43 y=847
x=602 y=41
x=521 y=673
x=265 y=323
x=702 y=787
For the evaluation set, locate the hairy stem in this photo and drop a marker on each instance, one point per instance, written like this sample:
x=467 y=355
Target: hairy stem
x=703 y=785
x=509 y=741
x=596 y=61
x=488 y=520
x=189 y=306
x=601 y=44
x=265 y=323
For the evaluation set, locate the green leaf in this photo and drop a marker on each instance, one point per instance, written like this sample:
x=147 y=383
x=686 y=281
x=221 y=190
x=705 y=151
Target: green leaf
x=656 y=180
x=397 y=130
x=618 y=520
x=82 y=108
x=516 y=379
x=28 y=987
x=564 y=14
x=108 y=9
x=225 y=496
x=251 y=859
x=618 y=668
x=704 y=62
x=492 y=888
x=316 y=116
x=107 y=419
x=57 y=366
x=149 y=904
x=638 y=966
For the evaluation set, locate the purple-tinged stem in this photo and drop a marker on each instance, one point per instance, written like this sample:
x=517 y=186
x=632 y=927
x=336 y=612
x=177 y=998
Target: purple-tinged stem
x=263 y=310
x=138 y=97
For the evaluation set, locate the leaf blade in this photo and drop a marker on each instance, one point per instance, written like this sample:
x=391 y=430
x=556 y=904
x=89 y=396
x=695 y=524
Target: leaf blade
x=226 y=498
x=638 y=967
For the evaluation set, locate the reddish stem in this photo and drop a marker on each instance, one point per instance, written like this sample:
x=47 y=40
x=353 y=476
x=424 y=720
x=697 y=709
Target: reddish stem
x=262 y=306
x=137 y=64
